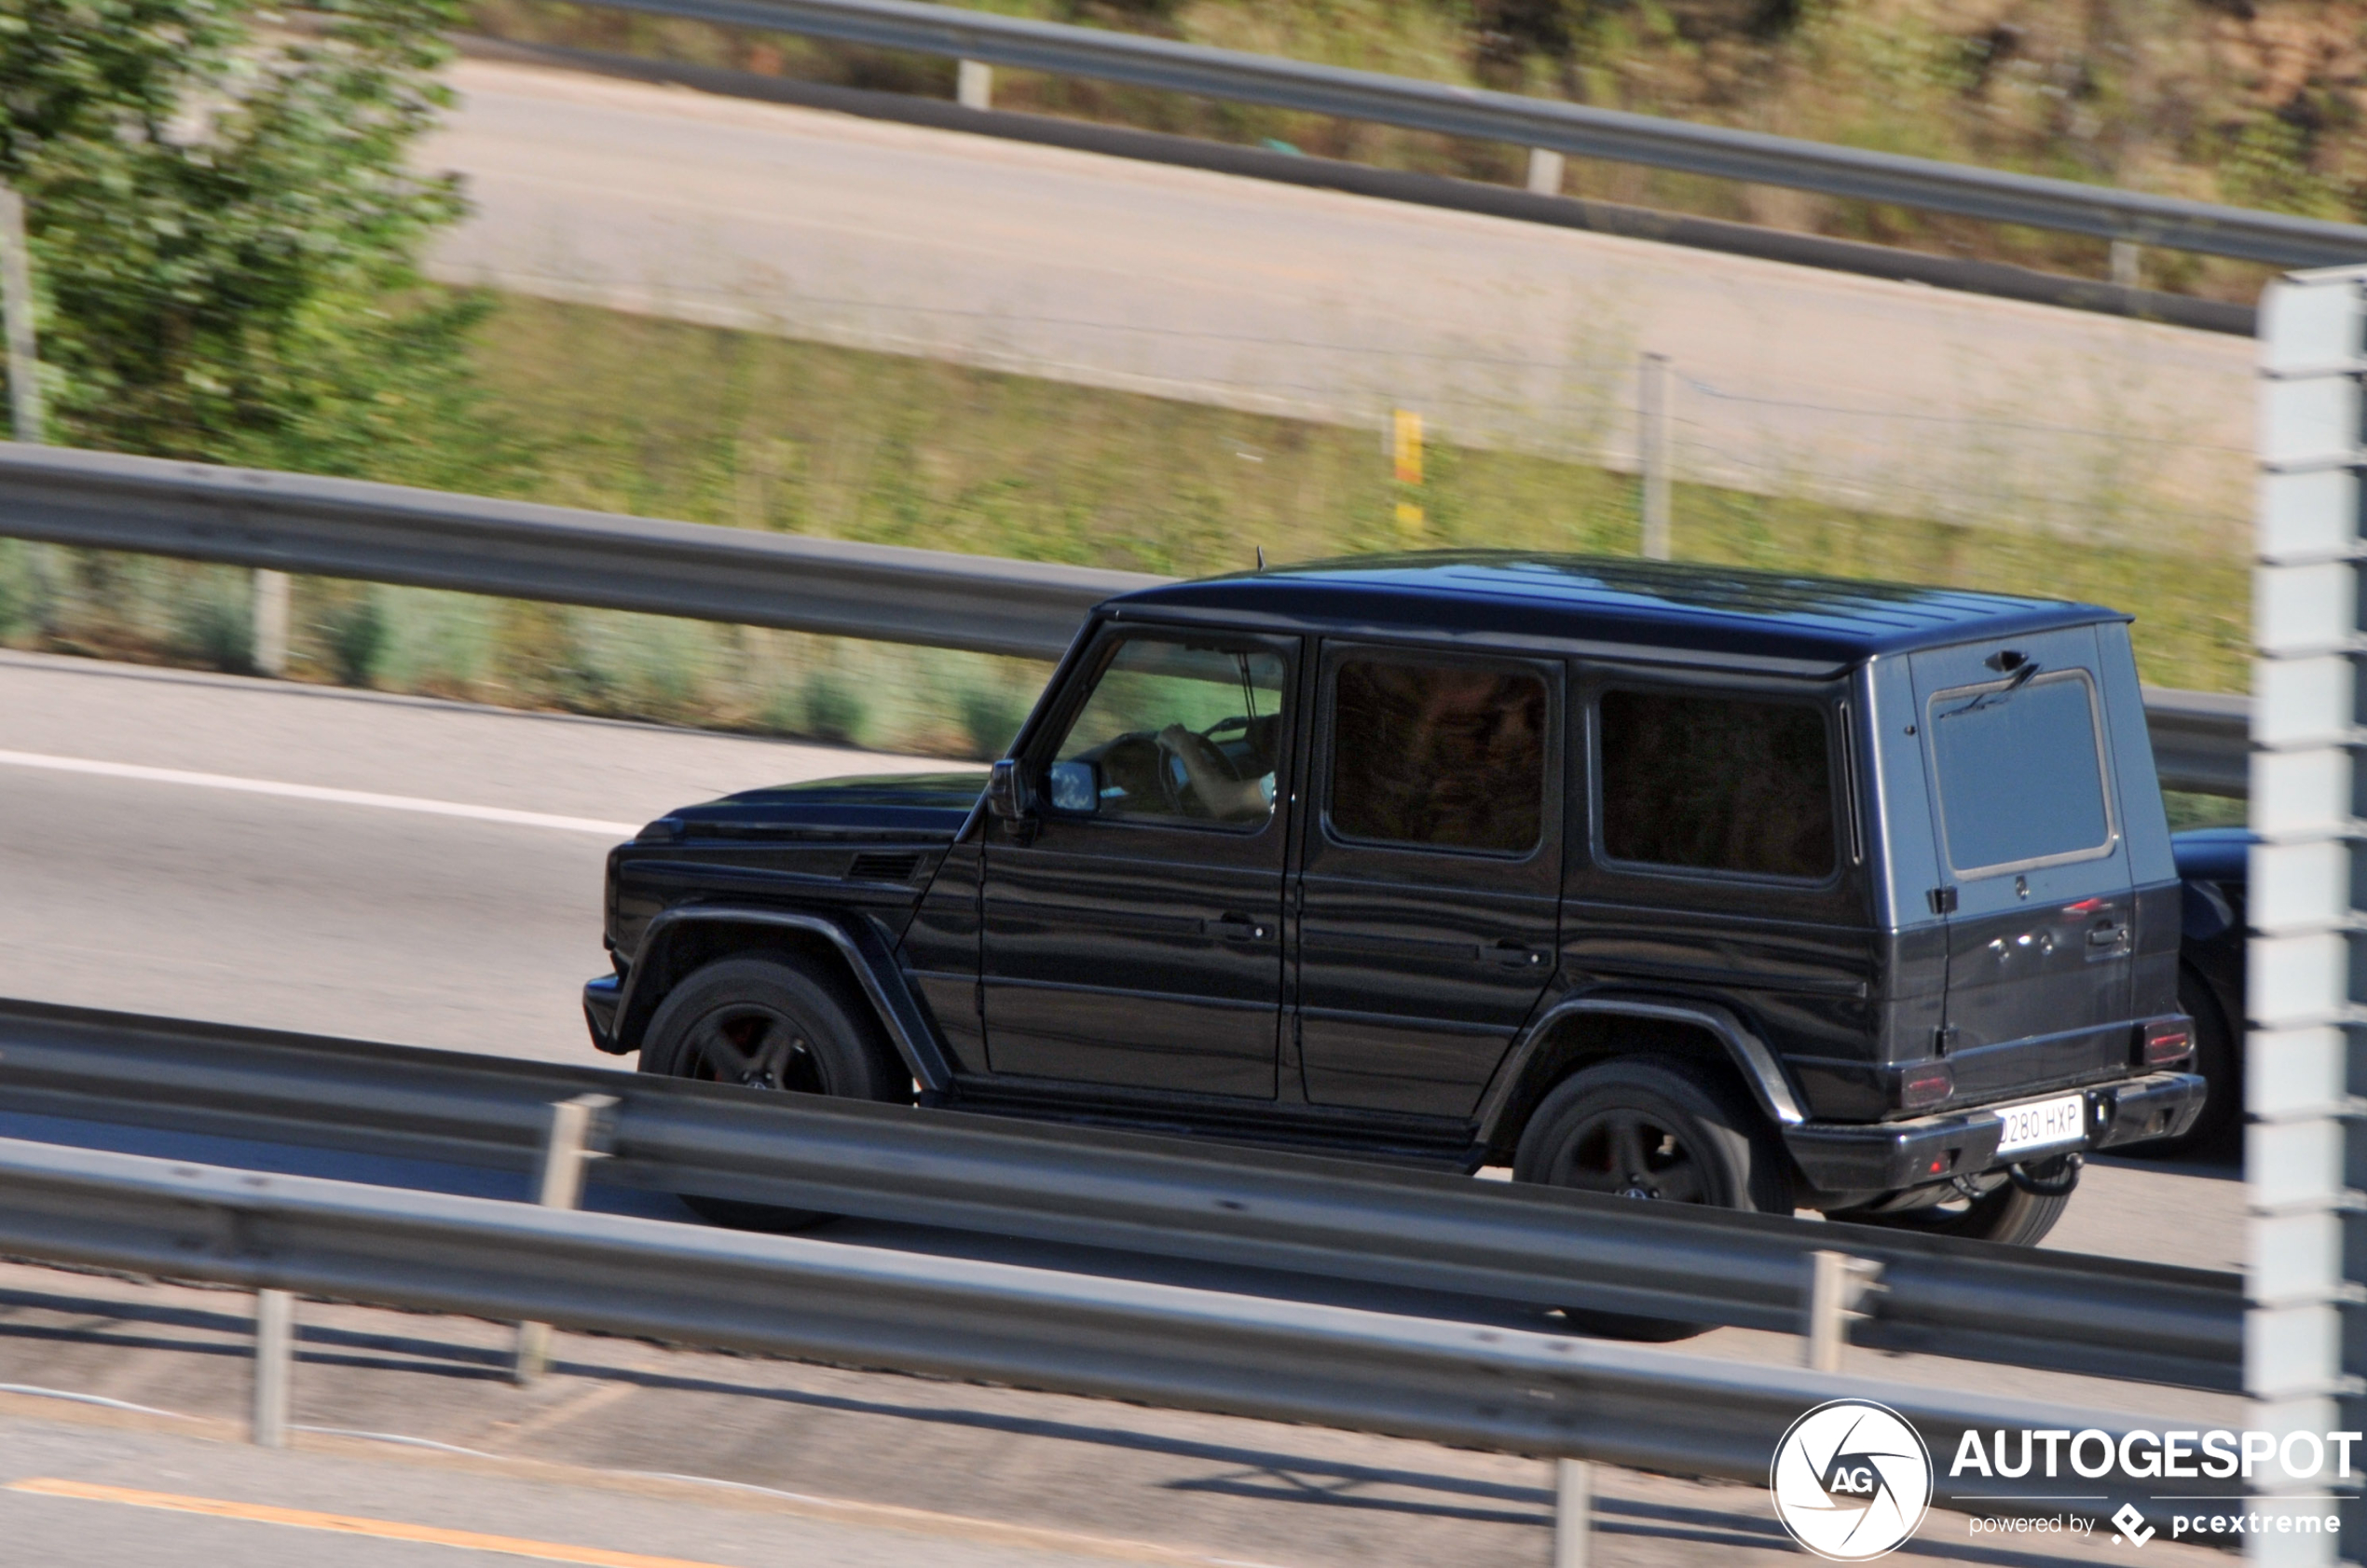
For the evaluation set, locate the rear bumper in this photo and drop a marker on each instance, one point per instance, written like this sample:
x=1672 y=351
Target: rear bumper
x=1891 y=1156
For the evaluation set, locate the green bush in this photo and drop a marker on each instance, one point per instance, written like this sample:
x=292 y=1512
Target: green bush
x=214 y=625
x=355 y=635
x=990 y=717
x=225 y=233
x=834 y=710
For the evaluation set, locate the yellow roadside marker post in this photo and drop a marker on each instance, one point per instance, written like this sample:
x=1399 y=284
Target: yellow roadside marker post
x=1406 y=449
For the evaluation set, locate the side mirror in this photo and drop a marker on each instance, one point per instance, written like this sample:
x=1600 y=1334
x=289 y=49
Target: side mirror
x=1075 y=786
x=1005 y=792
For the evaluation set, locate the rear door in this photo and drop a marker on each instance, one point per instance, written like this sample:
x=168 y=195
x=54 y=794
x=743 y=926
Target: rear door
x=1428 y=897
x=2034 y=864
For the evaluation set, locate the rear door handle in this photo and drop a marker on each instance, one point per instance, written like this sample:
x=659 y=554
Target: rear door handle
x=1238 y=928
x=1516 y=955
x=2108 y=936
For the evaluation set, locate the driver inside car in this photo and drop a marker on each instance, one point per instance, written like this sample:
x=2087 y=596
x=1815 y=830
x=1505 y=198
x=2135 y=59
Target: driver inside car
x=1208 y=777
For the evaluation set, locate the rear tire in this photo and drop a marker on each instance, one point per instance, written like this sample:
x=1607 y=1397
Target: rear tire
x=772 y=1026
x=1655 y=1134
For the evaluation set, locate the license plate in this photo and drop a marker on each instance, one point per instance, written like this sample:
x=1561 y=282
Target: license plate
x=2042 y=1122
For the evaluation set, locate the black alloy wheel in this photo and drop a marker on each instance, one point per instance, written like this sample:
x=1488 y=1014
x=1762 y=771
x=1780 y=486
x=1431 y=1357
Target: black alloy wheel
x=771 y=1025
x=1629 y=1153
x=1652 y=1133
x=753 y=1045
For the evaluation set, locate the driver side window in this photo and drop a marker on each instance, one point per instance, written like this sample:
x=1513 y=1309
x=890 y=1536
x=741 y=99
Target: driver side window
x=1175 y=731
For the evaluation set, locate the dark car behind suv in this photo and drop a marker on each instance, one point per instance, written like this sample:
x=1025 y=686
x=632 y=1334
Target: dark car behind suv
x=2212 y=868
x=1683 y=883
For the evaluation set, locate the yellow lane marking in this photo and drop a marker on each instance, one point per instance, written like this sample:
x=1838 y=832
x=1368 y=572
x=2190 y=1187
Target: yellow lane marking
x=350 y=1524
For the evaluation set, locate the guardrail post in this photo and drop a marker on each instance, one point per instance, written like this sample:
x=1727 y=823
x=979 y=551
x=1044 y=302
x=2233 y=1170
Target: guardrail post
x=1573 y=1513
x=1544 y=172
x=558 y=1183
x=1836 y=1283
x=274 y=1366
x=1652 y=452
x=2127 y=257
x=974 y=85
x=2304 y=963
x=271 y=620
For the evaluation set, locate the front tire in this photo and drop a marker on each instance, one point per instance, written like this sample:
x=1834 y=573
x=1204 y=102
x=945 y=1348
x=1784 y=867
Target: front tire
x=772 y=1026
x=1639 y=1130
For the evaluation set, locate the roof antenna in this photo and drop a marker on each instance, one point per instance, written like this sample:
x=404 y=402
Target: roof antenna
x=1261 y=556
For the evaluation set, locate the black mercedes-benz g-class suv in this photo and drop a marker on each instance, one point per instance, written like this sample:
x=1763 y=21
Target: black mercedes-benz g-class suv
x=1676 y=883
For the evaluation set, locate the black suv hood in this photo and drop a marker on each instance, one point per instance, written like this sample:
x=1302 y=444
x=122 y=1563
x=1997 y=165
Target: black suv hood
x=916 y=806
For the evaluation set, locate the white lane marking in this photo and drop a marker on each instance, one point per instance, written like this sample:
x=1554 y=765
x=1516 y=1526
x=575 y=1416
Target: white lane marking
x=317 y=792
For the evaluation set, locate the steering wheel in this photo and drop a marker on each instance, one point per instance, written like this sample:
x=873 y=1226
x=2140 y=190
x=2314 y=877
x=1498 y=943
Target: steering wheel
x=1195 y=756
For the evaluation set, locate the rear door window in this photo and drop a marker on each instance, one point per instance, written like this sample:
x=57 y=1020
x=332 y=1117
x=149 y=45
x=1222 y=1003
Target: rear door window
x=1698 y=782
x=2021 y=772
x=1445 y=756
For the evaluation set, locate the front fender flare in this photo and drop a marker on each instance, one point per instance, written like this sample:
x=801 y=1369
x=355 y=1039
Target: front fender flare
x=1749 y=1053
x=860 y=943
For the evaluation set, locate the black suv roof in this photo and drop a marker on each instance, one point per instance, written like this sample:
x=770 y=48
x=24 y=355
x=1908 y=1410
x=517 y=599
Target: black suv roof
x=1611 y=604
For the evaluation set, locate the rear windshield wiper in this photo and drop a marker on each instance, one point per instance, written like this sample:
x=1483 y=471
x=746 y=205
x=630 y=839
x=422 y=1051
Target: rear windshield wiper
x=2019 y=669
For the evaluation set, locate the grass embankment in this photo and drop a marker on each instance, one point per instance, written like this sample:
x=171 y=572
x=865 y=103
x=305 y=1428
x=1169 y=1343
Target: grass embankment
x=2256 y=103
x=627 y=413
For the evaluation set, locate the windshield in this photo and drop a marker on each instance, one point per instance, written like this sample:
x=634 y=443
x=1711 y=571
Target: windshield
x=2022 y=778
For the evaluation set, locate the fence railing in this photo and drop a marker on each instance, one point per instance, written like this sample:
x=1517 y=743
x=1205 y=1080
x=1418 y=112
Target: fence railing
x=427 y=538
x=984 y=39
x=1239 y=1209
x=1469 y=1386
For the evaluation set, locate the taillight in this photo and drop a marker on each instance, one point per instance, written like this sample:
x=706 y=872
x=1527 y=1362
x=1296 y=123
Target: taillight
x=1925 y=1086
x=2168 y=1041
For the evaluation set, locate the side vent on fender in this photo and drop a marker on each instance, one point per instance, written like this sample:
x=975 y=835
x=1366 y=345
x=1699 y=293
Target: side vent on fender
x=883 y=867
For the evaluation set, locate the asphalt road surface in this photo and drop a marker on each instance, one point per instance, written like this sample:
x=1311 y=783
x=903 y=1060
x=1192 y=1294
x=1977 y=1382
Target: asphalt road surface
x=314 y=912
x=1229 y=290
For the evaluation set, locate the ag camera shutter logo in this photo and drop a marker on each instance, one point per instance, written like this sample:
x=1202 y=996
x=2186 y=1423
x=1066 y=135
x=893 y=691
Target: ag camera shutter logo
x=1852 y=1480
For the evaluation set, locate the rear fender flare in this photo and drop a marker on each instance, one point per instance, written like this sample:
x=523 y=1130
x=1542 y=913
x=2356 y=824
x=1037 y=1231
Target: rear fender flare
x=865 y=952
x=1751 y=1057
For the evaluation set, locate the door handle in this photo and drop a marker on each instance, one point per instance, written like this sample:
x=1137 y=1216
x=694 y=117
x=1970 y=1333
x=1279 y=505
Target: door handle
x=2108 y=936
x=1238 y=928
x=1516 y=955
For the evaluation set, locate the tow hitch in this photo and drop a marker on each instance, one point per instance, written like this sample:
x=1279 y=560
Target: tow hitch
x=2047 y=1178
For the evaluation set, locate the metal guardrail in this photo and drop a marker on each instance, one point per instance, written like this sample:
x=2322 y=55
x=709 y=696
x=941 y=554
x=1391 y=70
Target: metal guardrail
x=2202 y=740
x=1471 y=1387
x=427 y=538
x=1242 y=1208
x=1572 y=129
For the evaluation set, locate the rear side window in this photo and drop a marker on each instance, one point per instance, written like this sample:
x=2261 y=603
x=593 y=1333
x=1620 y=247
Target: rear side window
x=1716 y=783
x=2021 y=779
x=1444 y=755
